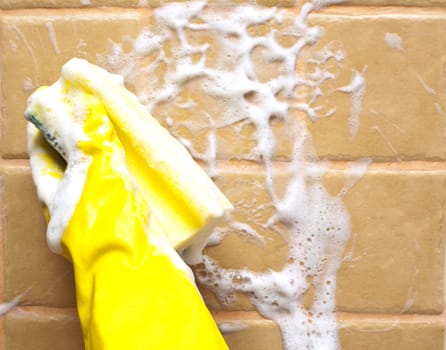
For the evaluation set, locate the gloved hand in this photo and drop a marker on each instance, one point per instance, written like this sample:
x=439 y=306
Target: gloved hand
x=133 y=290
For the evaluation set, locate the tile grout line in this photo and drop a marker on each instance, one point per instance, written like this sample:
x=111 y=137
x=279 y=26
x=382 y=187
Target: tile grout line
x=342 y=6
x=242 y=315
x=410 y=165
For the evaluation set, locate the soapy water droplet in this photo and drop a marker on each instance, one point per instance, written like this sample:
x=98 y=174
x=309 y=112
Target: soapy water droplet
x=236 y=95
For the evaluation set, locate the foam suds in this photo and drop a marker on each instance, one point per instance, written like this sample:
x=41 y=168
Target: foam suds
x=212 y=51
x=27 y=85
x=438 y=108
x=52 y=35
x=230 y=327
x=393 y=40
x=357 y=90
x=354 y=173
x=426 y=87
x=247 y=231
x=67 y=120
x=10 y=305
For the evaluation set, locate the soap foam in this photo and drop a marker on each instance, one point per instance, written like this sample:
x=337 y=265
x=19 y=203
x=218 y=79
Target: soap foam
x=356 y=89
x=10 y=305
x=230 y=327
x=426 y=87
x=394 y=41
x=59 y=195
x=52 y=35
x=318 y=223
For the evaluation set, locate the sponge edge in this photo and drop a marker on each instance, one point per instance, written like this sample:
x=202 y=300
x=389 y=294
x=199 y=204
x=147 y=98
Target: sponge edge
x=185 y=203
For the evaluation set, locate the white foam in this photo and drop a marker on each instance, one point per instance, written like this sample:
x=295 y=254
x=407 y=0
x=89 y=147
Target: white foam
x=217 y=237
x=27 y=84
x=355 y=171
x=247 y=231
x=60 y=196
x=318 y=223
x=231 y=327
x=52 y=35
x=394 y=41
x=10 y=305
x=356 y=89
x=426 y=87
x=439 y=108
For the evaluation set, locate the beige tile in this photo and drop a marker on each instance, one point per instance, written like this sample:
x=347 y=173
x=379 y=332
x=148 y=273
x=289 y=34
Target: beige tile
x=34 y=46
x=38 y=329
x=393 y=261
x=29 y=266
x=403 y=109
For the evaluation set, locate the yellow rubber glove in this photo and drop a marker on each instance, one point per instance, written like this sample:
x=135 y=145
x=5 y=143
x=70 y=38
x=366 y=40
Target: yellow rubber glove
x=133 y=290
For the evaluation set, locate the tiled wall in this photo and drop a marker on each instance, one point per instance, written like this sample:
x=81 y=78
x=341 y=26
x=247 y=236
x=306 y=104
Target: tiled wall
x=390 y=286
